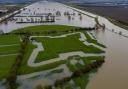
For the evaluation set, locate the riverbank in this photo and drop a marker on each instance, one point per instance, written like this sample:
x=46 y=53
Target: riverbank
x=118 y=15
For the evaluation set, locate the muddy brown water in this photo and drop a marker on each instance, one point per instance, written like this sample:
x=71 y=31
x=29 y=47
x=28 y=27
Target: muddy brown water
x=114 y=72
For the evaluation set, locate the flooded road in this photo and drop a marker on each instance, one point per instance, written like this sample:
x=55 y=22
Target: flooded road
x=114 y=72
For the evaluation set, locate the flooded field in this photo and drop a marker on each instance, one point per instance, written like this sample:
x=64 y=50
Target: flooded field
x=114 y=72
x=50 y=12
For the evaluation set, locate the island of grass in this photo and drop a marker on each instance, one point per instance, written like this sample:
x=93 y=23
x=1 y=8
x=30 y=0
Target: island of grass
x=53 y=47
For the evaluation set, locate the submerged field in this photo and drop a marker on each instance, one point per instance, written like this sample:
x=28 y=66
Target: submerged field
x=52 y=50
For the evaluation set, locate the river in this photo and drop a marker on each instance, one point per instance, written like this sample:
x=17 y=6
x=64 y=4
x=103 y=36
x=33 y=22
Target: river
x=114 y=72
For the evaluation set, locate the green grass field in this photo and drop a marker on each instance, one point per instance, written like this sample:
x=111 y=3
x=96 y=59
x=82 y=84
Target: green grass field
x=9 y=39
x=56 y=46
x=5 y=65
x=6 y=59
x=45 y=28
x=52 y=48
x=25 y=69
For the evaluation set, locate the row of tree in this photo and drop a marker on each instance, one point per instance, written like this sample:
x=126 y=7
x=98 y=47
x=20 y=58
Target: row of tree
x=12 y=77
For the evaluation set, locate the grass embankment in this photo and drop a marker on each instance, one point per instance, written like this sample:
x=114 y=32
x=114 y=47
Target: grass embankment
x=78 y=7
x=119 y=23
x=45 y=29
x=90 y=40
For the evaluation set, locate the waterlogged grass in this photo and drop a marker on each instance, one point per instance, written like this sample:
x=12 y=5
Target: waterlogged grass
x=86 y=61
x=25 y=69
x=93 y=58
x=54 y=72
x=5 y=65
x=75 y=67
x=90 y=40
x=45 y=28
x=68 y=87
x=82 y=81
x=55 y=46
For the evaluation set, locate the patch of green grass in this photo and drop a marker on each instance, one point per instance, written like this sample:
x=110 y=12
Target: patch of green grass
x=25 y=69
x=74 y=67
x=94 y=58
x=6 y=62
x=9 y=50
x=45 y=28
x=71 y=67
x=87 y=60
x=55 y=46
x=90 y=40
x=5 y=65
x=68 y=87
x=55 y=71
x=81 y=81
x=9 y=39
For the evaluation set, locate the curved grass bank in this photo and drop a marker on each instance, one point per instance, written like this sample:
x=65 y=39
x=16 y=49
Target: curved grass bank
x=45 y=28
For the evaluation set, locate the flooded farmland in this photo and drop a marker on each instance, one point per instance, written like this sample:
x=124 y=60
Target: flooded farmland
x=113 y=74
x=47 y=13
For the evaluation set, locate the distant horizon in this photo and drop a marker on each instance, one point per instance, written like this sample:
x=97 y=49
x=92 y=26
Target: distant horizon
x=25 y=1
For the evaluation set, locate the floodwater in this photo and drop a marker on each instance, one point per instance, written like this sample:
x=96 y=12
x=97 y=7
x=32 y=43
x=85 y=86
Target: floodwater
x=42 y=78
x=114 y=72
x=43 y=8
